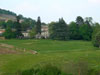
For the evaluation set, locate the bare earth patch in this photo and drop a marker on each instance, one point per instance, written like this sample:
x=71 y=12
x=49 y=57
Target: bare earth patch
x=7 y=49
x=6 y=45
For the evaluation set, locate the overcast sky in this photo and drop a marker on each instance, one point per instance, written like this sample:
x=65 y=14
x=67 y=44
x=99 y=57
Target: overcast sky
x=52 y=10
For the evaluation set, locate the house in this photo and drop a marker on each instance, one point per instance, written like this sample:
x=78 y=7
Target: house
x=26 y=34
x=45 y=32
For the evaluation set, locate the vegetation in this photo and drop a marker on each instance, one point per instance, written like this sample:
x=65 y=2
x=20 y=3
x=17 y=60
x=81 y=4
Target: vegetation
x=27 y=24
x=74 y=31
x=9 y=34
x=95 y=39
x=32 y=33
x=86 y=32
x=79 y=21
x=79 y=30
x=7 y=12
x=38 y=26
x=59 y=30
x=66 y=55
x=44 y=70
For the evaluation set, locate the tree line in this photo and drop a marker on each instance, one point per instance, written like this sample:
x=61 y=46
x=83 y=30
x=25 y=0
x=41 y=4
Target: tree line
x=81 y=29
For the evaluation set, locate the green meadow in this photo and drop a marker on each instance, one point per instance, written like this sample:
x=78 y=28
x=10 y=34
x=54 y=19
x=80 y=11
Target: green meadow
x=64 y=54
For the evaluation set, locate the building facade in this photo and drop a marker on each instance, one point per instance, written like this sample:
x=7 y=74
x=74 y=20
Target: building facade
x=45 y=31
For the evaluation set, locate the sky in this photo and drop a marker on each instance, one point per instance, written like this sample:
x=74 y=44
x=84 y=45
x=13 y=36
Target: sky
x=52 y=10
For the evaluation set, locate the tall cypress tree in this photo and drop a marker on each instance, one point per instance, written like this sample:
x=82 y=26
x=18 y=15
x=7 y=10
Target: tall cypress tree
x=38 y=26
x=18 y=27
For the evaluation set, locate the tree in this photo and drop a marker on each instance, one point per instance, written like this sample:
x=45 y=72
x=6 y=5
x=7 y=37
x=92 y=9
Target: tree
x=96 y=29
x=88 y=20
x=79 y=21
x=3 y=24
x=8 y=34
x=10 y=23
x=28 y=23
x=38 y=26
x=85 y=32
x=59 y=30
x=32 y=33
x=74 y=31
x=96 y=41
x=18 y=27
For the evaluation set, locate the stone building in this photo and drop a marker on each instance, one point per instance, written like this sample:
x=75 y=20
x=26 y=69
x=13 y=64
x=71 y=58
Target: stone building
x=45 y=32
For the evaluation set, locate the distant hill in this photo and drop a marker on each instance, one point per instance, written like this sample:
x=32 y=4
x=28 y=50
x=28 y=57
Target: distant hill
x=7 y=15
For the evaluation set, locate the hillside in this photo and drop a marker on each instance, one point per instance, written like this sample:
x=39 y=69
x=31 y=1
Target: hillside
x=7 y=15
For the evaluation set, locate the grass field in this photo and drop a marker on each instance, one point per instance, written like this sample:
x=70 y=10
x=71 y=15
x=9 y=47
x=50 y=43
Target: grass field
x=60 y=53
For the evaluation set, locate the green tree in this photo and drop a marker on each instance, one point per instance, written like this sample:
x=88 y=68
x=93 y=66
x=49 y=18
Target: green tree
x=28 y=23
x=38 y=26
x=3 y=25
x=59 y=30
x=74 y=31
x=88 y=20
x=96 y=29
x=79 y=21
x=96 y=41
x=85 y=32
x=18 y=27
x=10 y=24
x=8 y=34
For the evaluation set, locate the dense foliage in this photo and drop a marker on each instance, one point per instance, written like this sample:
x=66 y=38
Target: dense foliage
x=79 y=21
x=95 y=35
x=7 y=12
x=86 y=32
x=44 y=70
x=28 y=23
x=9 y=34
x=59 y=30
x=79 y=30
x=74 y=31
x=18 y=28
x=97 y=40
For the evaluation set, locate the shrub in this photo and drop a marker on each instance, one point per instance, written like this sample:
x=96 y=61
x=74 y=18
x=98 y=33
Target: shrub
x=8 y=34
x=93 y=72
x=44 y=70
x=96 y=40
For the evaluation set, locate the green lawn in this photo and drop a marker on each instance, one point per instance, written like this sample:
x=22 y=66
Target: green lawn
x=60 y=53
x=50 y=45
